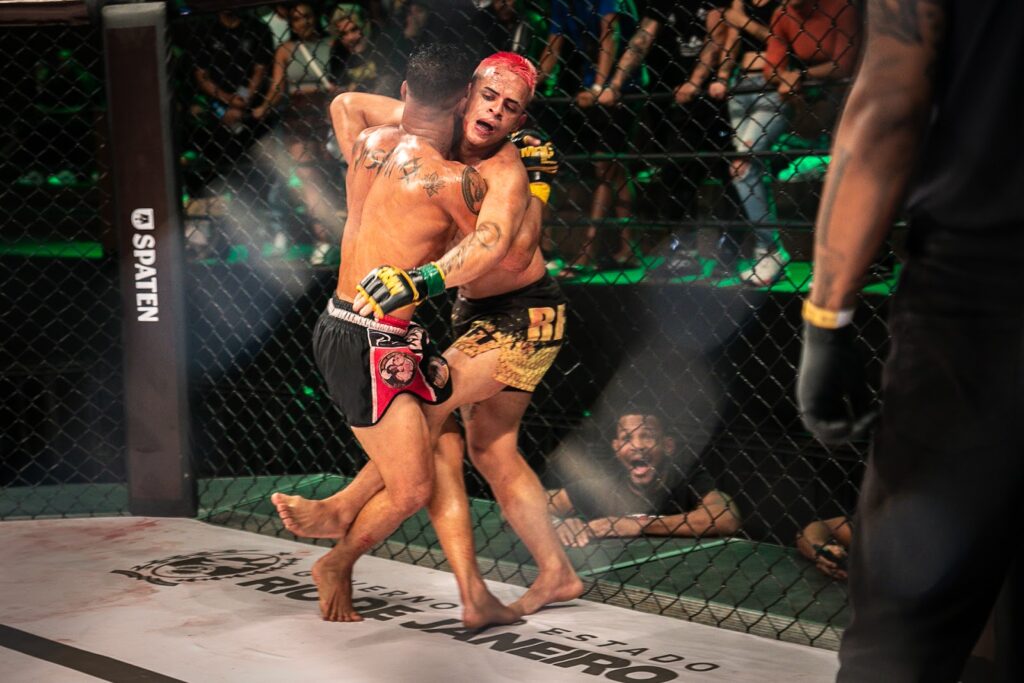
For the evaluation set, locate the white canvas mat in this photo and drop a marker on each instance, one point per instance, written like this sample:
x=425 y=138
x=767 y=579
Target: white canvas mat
x=174 y=599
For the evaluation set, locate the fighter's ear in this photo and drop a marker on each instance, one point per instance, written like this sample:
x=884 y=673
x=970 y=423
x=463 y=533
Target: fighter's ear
x=403 y=91
x=521 y=122
x=460 y=109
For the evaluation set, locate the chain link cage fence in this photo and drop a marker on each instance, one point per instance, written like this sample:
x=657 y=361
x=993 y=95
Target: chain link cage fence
x=62 y=444
x=695 y=137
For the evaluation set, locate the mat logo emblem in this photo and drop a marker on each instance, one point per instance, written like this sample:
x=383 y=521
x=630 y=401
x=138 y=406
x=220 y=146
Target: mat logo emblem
x=213 y=565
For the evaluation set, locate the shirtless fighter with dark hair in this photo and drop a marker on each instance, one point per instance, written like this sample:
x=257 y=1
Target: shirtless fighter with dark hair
x=406 y=203
x=510 y=322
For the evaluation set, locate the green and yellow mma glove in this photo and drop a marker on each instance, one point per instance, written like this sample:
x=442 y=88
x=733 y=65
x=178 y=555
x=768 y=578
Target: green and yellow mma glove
x=541 y=160
x=388 y=288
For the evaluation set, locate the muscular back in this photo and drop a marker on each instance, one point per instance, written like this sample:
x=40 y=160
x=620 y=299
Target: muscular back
x=405 y=204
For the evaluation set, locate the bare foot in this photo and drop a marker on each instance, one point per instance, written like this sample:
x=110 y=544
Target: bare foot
x=548 y=588
x=334 y=587
x=483 y=609
x=310 y=518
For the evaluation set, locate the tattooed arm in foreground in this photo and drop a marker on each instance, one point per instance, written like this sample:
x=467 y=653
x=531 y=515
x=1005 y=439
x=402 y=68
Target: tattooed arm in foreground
x=876 y=144
x=498 y=216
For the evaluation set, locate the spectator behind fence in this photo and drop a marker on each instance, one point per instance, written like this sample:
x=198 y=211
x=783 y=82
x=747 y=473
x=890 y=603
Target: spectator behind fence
x=826 y=542
x=506 y=25
x=593 y=30
x=758 y=116
x=277 y=20
x=807 y=41
x=354 y=65
x=232 y=60
x=654 y=490
x=682 y=43
x=302 y=88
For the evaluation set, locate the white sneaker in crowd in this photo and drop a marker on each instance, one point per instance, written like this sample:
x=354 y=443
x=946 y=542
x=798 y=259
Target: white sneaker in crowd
x=319 y=255
x=767 y=268
x=279 y=247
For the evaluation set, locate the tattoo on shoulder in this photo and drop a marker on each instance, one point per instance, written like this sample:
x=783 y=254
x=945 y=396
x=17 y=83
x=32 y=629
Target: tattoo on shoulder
x=409 y=169
x=902 y=19
x=474 y=187
x=433 y=184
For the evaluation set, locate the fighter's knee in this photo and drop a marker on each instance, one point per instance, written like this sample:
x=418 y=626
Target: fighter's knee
x=493 y=463
x=411 y=499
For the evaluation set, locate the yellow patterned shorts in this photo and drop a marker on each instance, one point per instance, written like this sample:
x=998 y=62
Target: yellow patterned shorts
x=528 y=337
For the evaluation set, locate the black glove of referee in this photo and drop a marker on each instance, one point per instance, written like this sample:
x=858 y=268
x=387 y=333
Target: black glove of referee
x=832 y=390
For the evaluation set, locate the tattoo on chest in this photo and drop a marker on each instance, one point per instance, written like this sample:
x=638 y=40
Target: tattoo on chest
x=433 y=184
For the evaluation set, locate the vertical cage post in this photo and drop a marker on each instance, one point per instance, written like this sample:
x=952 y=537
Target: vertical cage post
x=149 y=230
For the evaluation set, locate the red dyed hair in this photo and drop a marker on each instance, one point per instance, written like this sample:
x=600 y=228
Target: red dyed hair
x=510 y=61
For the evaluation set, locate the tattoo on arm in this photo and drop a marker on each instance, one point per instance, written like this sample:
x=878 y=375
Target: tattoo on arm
x=486 y=236
x=474 y=187
x=911 y=22
x=896 y=19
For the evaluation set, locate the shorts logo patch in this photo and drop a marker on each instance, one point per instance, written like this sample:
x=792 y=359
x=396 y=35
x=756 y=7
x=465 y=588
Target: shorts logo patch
x=437 y=372
x=397 y=369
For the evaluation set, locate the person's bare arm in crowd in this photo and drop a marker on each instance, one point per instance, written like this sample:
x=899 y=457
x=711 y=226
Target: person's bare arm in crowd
x=634 y=55
x=823 y=532
x=501 y=217
x=353 y=112
x=876 y=144
x=711 y=53
x=255 y=78
x=825 y=543
x=717 y=515
x=738 y=18
x=549 y=57
x=609 y=48
x=572 y=531
x=279 y=74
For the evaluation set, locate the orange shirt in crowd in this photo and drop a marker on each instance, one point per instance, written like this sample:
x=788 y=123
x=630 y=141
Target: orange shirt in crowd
x=814 y=31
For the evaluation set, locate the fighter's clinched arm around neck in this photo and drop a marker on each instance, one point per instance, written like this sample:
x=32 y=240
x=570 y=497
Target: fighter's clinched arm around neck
x=500 y=217
x=876 y=144
x=352 y=113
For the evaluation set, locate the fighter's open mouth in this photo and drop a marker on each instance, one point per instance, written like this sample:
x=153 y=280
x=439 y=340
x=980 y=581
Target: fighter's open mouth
x=485 y=125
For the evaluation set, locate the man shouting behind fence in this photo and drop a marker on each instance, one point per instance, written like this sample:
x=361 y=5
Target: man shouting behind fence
x=510 y=324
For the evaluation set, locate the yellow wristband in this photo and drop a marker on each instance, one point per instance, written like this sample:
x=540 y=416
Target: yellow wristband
x=541 y=191
x=829 y=320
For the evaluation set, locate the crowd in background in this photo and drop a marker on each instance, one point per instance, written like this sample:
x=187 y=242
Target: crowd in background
x=652 y=103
